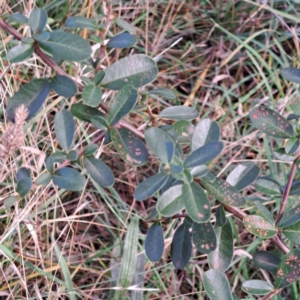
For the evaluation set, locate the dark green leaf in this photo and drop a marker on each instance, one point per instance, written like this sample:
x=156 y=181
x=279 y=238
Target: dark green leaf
x=291 y=74
x=203 y=154
x=170 y=202
x=268 y=186
x=154 y=243
x=50 y=164
x=280 y=153
x=90 y=150
x=64 y=86
x=150 y=186
x=216 y=285
x=259 y=226
x=99 y=171
x=69 y=179
x=100 y=122
x=292 y=232
x=136 y=70
x=164 y=93
x=67 y=46
x=179 y=113
x=125 y=25
x=122 y=40
x=257 y=287
x=224 y=192
x=19 y=53
x=262 y=211
x=290 y=217
x=84 y=112
x=129 y=146
x=220 y=216
x=243 y=175
x=81 y=22
x=181 y=247
x=288 y=269
x=43 y=36
x=200 y=171
x=18 y=18
x=58 y=156
x=92 y=95
x=293 y=116
x=271 y=123
x=160 y=143
x=204 y=237
x=196 y=202
x=292 y=145
x=24 y=186
x=38 y=20
x=206 y=131
x=64 y=127
x=23 y=173
x=99 y=77
x=72 y=155
x=122 y=104
x=32 y=95
x=44 y=179
x=266 y=261
x=221 y=257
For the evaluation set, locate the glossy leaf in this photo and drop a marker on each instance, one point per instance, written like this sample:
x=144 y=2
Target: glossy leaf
x=69 y=179
x=221 y=257
x=32 y=95
x=271 y=123
x=90 y=149
x=150 y=186
x=179 y=113
x=268 y=186
x=24 y=186
x=292 y=232
x=81 y=22
x=129 y=146
x=292 y=145
x=64 y=127
x=160 y=143
x=204 y=237
x=125 y=25
x=266 y=261
x=262 y=211
x=291 y=74
x=196 y=202
x=38 y=20
x=243 y=175
x=99 y=171
x=170 y=202
x=92 y=95
x=216 y=285
x=64 y=86
x=220 y=216
x=19 y=53
x=164 y=93
x=257 y=287
x=122 y=104
x=99 y=77
x=290 y=217
x=67 y=46
x=84 y=112
x=136 y=70
x=206 y=131
x=18 y=18
x=280 y=154
x=154 y=243
x=181 y=247
x=224 y=192
x=259 y=226
x=288 y=269
x=122 y=40
x=204 y=154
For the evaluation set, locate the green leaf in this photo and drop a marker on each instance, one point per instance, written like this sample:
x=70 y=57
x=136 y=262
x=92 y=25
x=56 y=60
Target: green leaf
x=63 y=86
x=290 y=217
x=90 y=150
x=257 y=287
x=154 y=243
x=221 y=257
x=280 y=153
x=19 y=53
x=99 y=171
x=67 y=46
x=81 y=22
x=294 y=104
x=181 y=247
x=206 y=131
x=92 y=95
x=136 y=70
x=44 y=179
x=64 y=127
x=122 y=40
x=170 y=202
x=292 y=232
x=216 y=285
x=72 y=155
x=10 y=201
x=266 y=261
x=220 y=216
x=38 y=20
x=150 y=186
x=292 y=145
x=259 y=226
x=184 y=131
x=203 y=154
x=125 y=25
x=196 y=202
x=99 y=77
x=18 y=18
x=268 y=186
x=100 y=122
x=243 y=175
x=161 y=143
x=32 y=95
x=204 y=237
x=200 y=171
x=163 y=92
x=122 y=104
x=288 y=269
x=262 y=211
x=271 y=123
x=179 y=112
x=224 y=192
x=129 y=146
x=50 y=164
x=85 y=112
x=291 y=74
x=69 y=179
x=23 y=173
x=43 y=36
x=24 y=186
